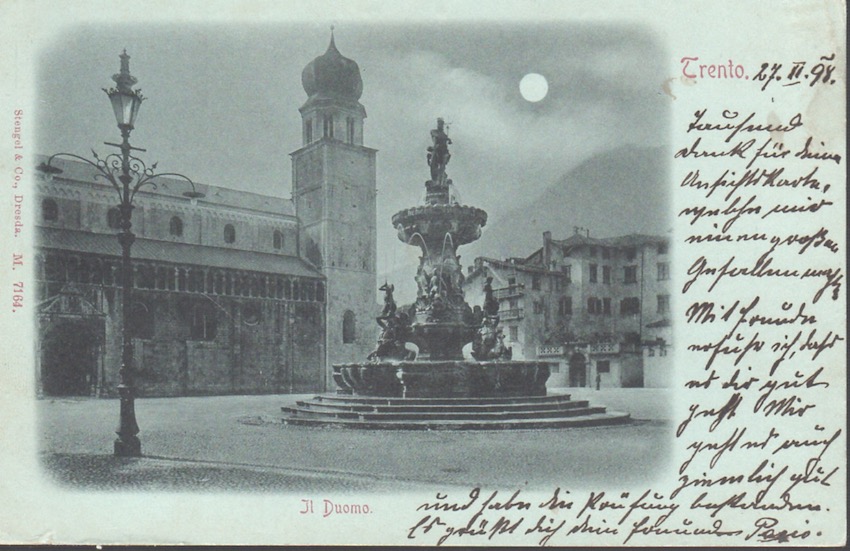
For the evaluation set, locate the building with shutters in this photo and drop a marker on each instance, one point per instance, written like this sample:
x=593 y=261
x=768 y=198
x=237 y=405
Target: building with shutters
x=598 y=307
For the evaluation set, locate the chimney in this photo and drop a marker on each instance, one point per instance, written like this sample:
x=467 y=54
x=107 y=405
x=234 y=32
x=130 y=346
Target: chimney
x=547 y=253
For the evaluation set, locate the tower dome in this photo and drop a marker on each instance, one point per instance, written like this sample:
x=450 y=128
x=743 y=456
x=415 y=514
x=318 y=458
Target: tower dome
x=332 y=75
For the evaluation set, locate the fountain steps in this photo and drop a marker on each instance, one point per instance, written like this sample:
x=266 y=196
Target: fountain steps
x=470 y=414
x=424 y=408
x=390 y=401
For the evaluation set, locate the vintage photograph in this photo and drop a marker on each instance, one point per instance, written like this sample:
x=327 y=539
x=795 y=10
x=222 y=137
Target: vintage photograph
x=352 y=257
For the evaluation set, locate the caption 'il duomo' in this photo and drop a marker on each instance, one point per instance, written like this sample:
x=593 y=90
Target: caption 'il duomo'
x=244 y=293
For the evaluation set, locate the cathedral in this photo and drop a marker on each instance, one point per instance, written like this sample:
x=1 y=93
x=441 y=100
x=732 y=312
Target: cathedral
x=233 y=293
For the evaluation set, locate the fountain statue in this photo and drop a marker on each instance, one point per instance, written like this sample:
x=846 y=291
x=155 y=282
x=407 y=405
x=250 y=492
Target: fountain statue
x=440 y=323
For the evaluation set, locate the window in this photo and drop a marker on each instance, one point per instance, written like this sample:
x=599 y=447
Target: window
x=511 y=281
x=145 y=277
x=175 y=227
x=535 y=282
x=141 y=321
x=631 y=253
x=559 y=284
x=606 y=275
x=606 y=306
x=568 y=273
x=203 y=323
x=513 y=331
x=328 y=126
x=593 y=252
x=565 y=306
x=662 y=248
x=629 y=306
x=229 y=233
x=630 y=274
x=308 y=131
x=663 y=304
x=251 y=314
x=603 y=366
x=594 y=305
x=349 y=130
x=348 y=327
x=277 y=241
x=49 y=210
x=606 y=252
x=663 y=271
x=113 y=218
x=538 y=306
x=593 y=273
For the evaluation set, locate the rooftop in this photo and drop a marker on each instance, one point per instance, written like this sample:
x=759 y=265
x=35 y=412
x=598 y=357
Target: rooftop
x=175 y=187
x=177 y=253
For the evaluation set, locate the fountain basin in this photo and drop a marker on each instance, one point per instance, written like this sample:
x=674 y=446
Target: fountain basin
x=440 y=341
x=435 y=221
x=444 y=379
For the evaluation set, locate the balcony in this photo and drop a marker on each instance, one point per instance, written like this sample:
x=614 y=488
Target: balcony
x=550 y=351
x=605 y=348
x=509 y=292
x=514 y=314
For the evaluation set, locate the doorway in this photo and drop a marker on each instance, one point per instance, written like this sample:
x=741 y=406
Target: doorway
x=69 y=359
x=578 y=370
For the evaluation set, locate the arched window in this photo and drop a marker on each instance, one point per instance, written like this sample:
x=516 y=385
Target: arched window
x=328 y=126
x=229 y=233
x=175 y=227
x=49 y=210
x=308 y=131
x=113 y=218
x=349 y=127
x=278 y=240
x=348 y=327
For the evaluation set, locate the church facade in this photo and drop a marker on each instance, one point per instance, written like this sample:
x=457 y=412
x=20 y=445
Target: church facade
x=233 y=293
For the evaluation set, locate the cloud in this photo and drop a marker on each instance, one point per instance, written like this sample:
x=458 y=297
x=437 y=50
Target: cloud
x=502 y=136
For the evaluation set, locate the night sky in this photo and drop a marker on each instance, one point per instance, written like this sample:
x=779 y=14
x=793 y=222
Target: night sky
x=223 y=103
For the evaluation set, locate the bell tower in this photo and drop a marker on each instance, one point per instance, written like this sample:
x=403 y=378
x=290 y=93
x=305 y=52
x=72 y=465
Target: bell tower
x=334 y=184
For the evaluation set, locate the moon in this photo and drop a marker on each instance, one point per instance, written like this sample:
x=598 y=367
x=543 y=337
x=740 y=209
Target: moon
x=533 y=87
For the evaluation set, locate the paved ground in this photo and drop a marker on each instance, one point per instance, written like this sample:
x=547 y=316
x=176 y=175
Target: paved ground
x=237 y=443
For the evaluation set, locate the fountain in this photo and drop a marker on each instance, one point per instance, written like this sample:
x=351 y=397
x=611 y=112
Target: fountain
x=435 y=386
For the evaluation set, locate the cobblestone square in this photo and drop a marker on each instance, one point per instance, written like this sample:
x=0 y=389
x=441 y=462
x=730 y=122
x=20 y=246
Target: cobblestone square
x=237 y=443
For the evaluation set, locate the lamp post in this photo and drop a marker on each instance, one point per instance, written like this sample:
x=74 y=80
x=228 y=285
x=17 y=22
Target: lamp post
x=127 y=174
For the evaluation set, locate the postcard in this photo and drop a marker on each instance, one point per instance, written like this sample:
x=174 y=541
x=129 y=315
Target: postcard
x=502 y=273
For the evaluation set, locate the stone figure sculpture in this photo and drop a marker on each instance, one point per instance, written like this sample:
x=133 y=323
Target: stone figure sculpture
x=395 y=333
x=491 y=304
x=438 y=153
x=389 y=302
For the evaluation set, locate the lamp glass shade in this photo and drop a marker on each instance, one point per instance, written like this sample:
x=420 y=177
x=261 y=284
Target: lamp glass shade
x=126 y=106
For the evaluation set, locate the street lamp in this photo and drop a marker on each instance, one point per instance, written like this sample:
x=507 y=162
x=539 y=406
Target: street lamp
x=127 y=174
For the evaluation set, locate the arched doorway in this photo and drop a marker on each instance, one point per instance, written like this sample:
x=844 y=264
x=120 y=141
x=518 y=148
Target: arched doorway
x=69 y=358
x=578 y=370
